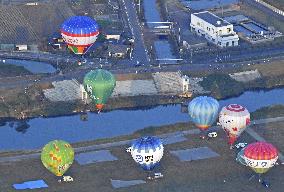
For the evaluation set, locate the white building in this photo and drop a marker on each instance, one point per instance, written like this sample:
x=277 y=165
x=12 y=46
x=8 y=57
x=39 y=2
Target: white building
x=21 y=47
x=214 y=29
x=185 y=83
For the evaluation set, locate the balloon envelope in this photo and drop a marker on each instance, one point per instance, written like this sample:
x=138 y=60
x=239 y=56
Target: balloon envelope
x=57 y=156
x=234 y=119
x=147 y=151
x=99 y=84
x=260 y=156
x=79 y=32
x=203 y=111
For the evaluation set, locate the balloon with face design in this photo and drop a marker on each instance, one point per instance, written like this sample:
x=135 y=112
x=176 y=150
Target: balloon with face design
x=234 y=119
x=147 y=151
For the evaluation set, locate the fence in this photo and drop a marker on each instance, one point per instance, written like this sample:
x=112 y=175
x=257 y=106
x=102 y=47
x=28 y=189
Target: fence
x=276 y=10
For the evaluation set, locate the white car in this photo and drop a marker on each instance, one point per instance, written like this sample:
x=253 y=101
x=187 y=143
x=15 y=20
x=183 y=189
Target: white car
x=240 y=145
x=67 y=178
x=212 y=134
x=128 y=150
x=158 y=175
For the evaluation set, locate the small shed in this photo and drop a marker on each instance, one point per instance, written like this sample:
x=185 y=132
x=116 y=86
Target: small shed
x=119 y=51
x=21 y=47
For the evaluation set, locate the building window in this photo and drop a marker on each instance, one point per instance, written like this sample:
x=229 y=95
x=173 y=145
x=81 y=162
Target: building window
x=198 y=24
x=227 y=44
x=233 y=43
x=228 y=30
x=220 y=32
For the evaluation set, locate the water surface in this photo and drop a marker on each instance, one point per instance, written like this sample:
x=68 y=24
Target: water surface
x=33 y=66
x=38 y=131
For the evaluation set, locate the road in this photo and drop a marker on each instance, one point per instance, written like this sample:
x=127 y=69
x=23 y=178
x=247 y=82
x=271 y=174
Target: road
x=140 y=52
x=25 y=81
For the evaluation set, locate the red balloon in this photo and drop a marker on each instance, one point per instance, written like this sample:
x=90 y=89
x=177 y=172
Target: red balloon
x=261 y=151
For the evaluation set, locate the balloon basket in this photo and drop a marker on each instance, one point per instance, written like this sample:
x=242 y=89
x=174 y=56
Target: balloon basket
x=203 y=134
x=260 y=180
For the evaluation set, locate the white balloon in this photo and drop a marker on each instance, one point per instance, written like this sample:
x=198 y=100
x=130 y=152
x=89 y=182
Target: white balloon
x=147 y=151
x=234 y=118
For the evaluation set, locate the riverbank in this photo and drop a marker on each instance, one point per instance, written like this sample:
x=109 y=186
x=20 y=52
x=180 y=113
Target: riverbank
x=30 y=102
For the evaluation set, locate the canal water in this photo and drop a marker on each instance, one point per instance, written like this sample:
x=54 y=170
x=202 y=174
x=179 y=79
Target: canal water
x=163 y=51
x=32 y=66
x=35 y=133
x=151 y=12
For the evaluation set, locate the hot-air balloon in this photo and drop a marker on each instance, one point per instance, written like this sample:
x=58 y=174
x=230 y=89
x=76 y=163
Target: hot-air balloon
x=79 y=32
x=147 y=152
x=260 y=157
x=203 y=111
x=99 y=84
x=234 y=119
x=57 y=156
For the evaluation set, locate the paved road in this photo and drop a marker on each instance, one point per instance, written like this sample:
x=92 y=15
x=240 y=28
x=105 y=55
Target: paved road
x=128 y=68
x=140 y=52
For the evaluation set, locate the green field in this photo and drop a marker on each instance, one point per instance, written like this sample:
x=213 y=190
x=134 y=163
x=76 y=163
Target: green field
x=12 y=70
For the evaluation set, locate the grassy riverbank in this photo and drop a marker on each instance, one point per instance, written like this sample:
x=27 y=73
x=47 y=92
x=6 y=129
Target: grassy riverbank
x=7 y=70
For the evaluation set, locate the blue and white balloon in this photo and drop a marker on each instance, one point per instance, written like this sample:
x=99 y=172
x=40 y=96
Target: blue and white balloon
x=203 y=111
x=147 y=151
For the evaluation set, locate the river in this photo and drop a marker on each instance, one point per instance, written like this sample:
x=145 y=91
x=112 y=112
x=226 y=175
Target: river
x=33 y=66
x=39 y=131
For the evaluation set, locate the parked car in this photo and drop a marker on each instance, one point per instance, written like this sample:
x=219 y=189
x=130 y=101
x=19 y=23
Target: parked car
x=158 y=175
x=240 y=145
x=212 y=134
x=128 y=150
x=66 y=179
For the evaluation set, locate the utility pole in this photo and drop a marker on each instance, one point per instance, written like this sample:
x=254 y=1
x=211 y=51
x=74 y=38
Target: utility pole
x=179 y=35
x=191 y=54
x=139 y=6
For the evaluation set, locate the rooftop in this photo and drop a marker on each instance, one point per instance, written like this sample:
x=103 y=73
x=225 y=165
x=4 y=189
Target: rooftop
x=212 y=19
x=112 y=48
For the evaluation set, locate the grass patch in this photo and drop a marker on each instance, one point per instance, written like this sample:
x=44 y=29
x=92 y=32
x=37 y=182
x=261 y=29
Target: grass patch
x=268 y=112
x=221 y=85
x=7 y=70
x=275 y=68
x=59 y=108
